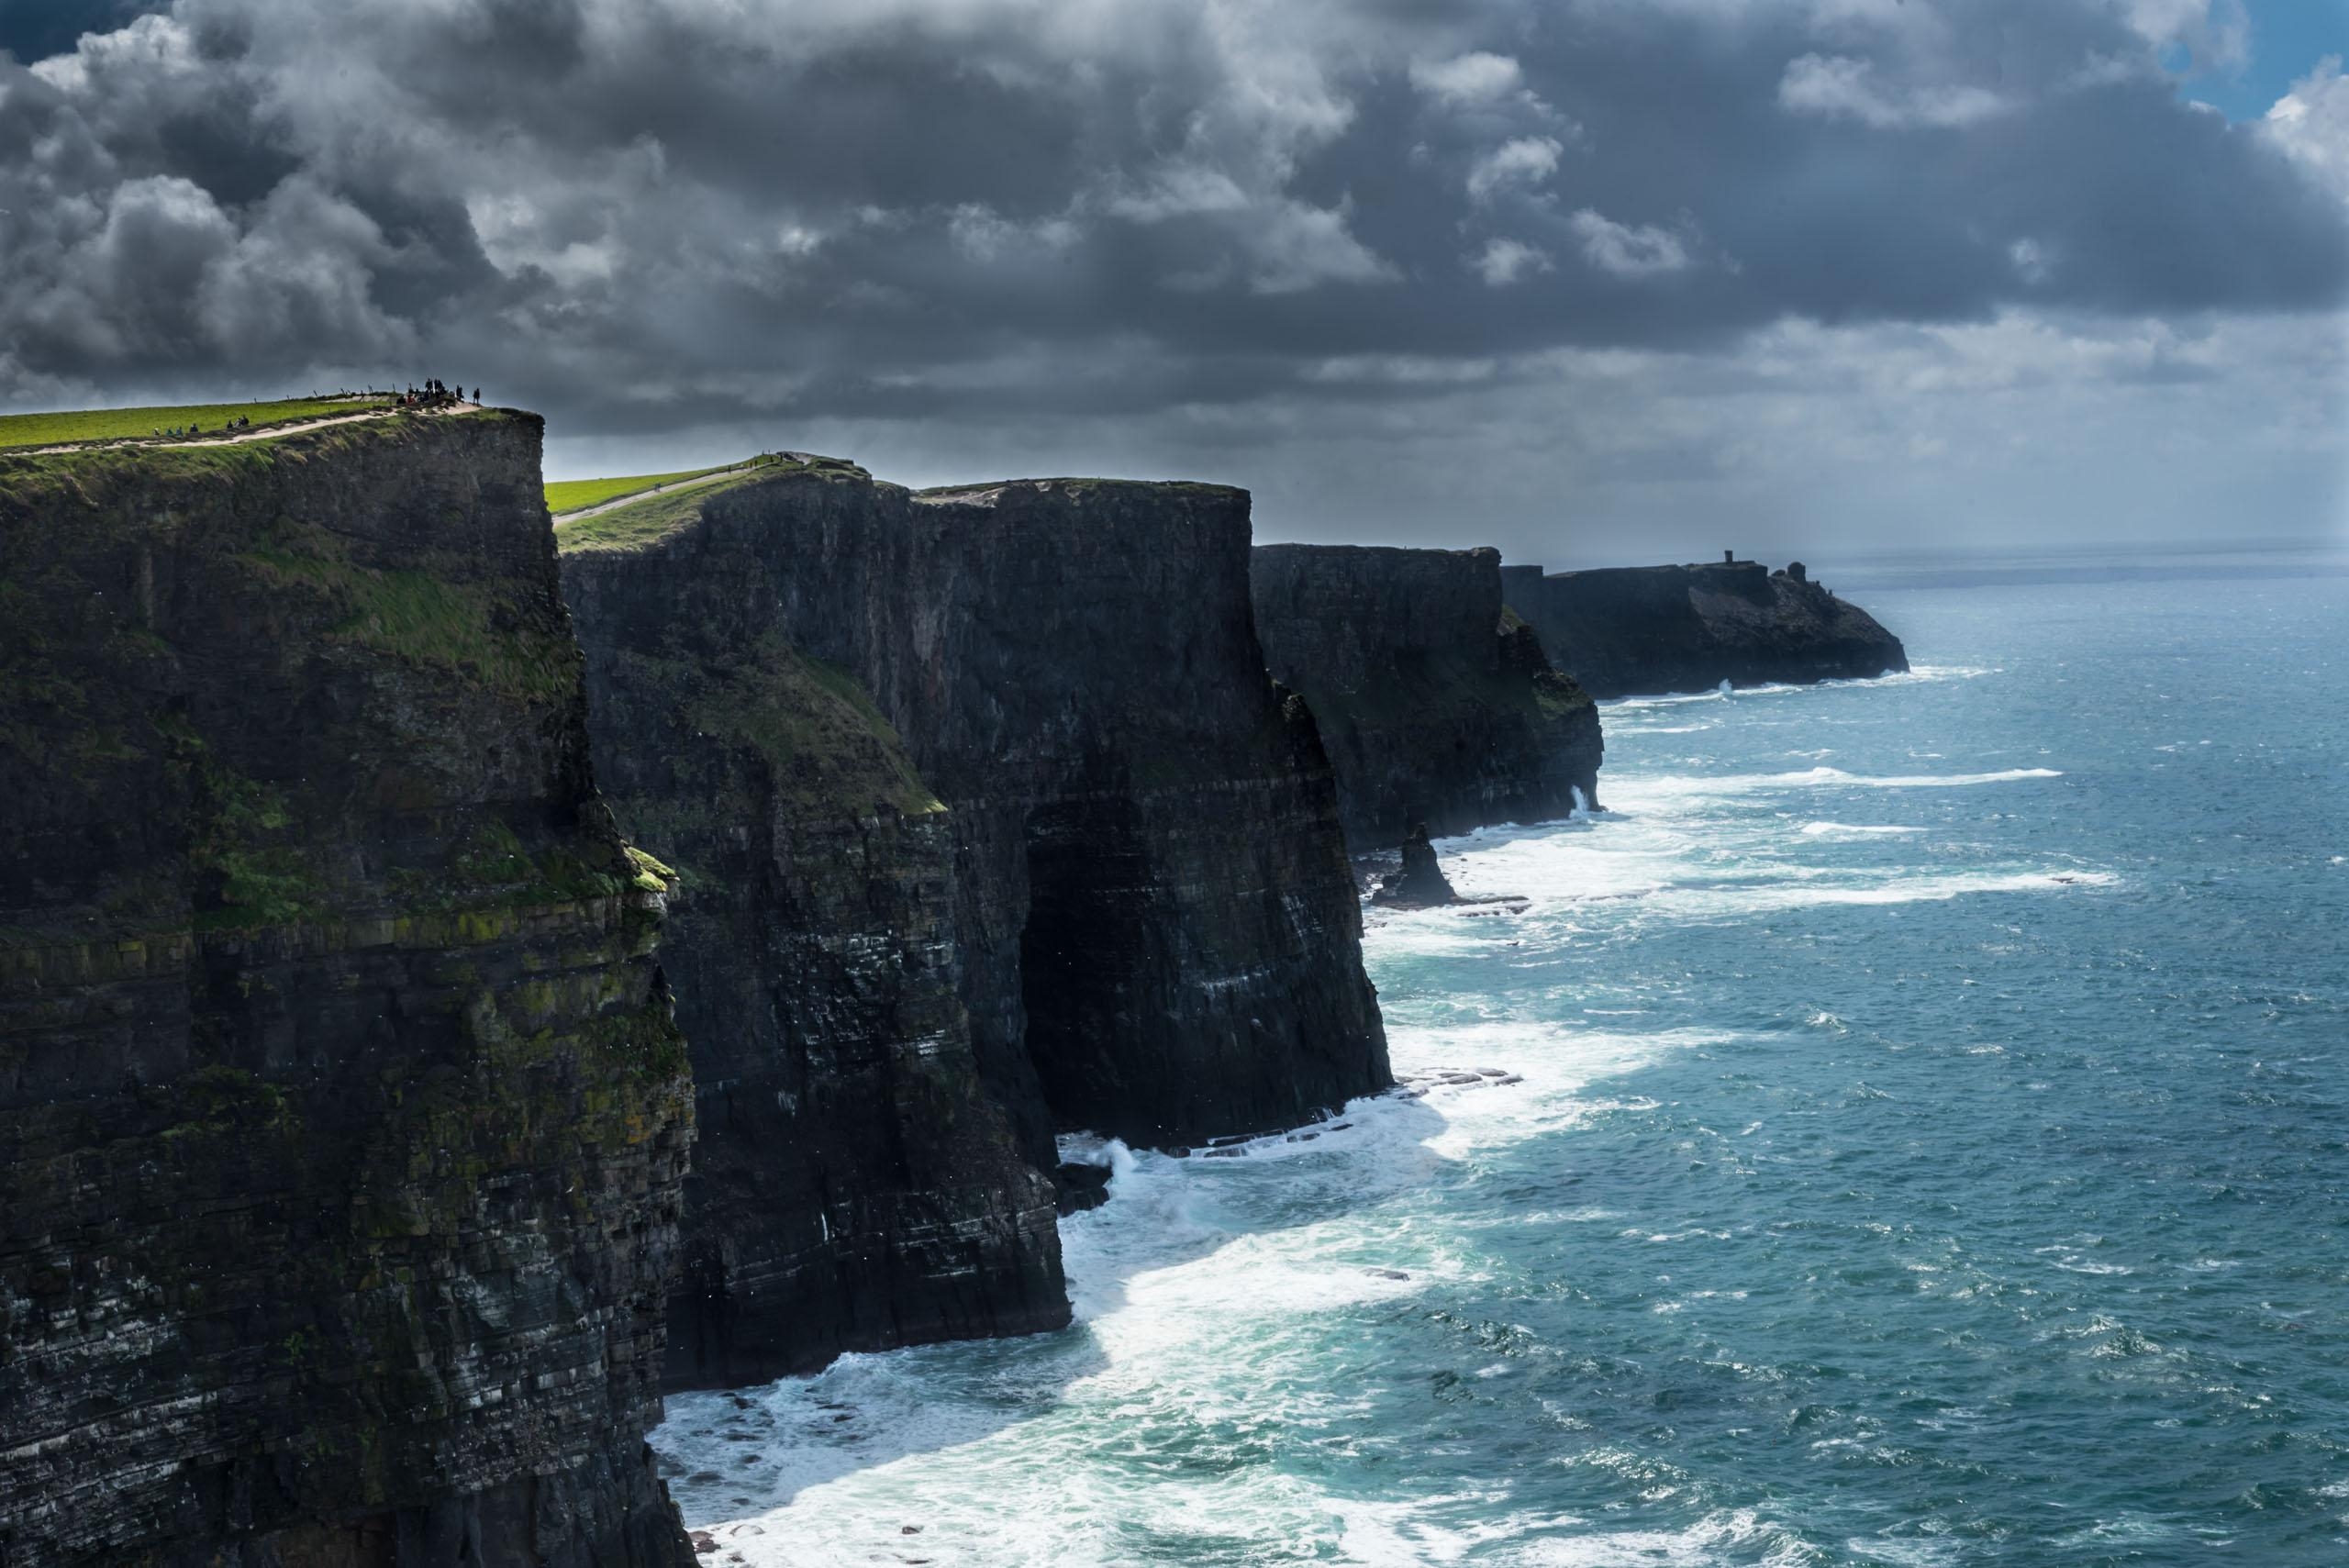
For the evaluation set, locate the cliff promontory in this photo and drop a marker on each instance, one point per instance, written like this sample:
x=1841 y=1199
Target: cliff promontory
x=342 y=1116
x=1436 y=706
x=1623 y=630
x=991 y=825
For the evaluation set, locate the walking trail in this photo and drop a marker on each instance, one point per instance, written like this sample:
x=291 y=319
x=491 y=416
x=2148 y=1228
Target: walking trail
x=633 y=496
x=260 y=433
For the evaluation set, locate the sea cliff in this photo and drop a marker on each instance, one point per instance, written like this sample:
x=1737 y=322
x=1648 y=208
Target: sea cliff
x=342 y=1116
x=1626 y=630
x=992 y=826
x=1436 y=704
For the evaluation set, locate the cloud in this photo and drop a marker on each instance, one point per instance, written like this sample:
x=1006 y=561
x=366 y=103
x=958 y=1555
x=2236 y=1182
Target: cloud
x=1839 y=86
x=2215 y=33
x=1504 y=261
x=1476 y=77
x=1522 y=161
x=983 y=229
x=1626 y=251
x=2310 y=124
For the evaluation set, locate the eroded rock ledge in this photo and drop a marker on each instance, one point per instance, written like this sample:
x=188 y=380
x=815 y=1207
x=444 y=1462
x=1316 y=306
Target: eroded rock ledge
x=1436 y=706
x=1627 y=630
x=342 y=1116
x=992 y=825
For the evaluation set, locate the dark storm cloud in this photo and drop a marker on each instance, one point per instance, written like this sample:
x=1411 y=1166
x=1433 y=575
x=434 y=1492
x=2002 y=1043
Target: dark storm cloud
x=650 y=216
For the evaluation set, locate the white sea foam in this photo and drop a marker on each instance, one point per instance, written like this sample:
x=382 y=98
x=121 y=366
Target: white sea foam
x=996 y=1451
x=1738 y=1536
x=1834 y=778
x=1856 y=831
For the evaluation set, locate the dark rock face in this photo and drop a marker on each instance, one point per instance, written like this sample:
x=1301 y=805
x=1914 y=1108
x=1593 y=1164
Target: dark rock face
x=1686 y=628
x=342 y=1116
x=1436 y=704
x=856 y=1187
x=1089 y=835
x=1421 y=883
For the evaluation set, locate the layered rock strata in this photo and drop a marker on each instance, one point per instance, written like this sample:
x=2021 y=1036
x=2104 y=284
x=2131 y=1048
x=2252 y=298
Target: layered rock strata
x=856 y=1186
x=1436 y=706
x=982 y=787
x=342 y=1115
x=1623 y=630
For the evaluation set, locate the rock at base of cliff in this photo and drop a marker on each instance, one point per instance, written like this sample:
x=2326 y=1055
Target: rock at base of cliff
x=1421 y=883
x=1081 y=1186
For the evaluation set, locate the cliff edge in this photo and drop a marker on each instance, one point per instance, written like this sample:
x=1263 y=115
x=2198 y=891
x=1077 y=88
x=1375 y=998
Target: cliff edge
x=856 y=1187
x=1436 y=706
x=342 y=1118
x=984 y=786
x=1627 y=630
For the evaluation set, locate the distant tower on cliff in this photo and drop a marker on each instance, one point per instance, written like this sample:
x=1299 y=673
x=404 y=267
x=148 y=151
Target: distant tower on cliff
x=1729 y=558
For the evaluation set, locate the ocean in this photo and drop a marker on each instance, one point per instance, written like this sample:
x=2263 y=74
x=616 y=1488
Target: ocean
x=1908 y=1124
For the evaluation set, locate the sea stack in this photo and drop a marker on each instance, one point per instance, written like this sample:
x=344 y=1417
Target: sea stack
x=1421 y=883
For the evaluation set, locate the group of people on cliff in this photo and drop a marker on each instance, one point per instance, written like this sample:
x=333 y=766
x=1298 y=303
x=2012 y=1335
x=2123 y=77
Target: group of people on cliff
x=241 y=422
x=435 y=394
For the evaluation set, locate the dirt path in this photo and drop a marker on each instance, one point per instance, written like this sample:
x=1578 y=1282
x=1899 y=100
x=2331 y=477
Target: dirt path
x=269 y=433
x=633 y=496
x=260 y=433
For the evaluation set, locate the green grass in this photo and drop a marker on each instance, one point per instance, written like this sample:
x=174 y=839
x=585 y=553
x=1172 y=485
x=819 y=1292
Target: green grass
x=655 y=518
x=116 y=424
x=573 y=495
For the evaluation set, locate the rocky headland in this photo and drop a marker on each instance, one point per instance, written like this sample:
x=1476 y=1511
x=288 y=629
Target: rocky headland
x=1622 y=631
x=345 y=1111
x=342 y=1116
x=1437 y=706
x=991 y=825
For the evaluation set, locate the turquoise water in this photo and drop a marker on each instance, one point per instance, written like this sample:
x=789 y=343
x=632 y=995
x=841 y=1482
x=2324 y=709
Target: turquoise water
x=1931 y=1146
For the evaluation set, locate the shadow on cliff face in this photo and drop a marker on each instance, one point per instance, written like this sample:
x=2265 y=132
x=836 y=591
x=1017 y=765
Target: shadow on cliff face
x=740 y=1455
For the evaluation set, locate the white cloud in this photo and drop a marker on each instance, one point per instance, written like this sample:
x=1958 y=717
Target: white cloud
x=1473 y=78
x=1522 y=161
x=2310 y=123
x=1504 y=261
x=1837 y=87
x=2216 y=33
x=985 y=235
x=1286 y=248
x=1628 y=251
x=1909 y=23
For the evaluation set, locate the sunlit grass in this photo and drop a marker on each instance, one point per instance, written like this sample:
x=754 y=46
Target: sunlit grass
x=209 y=418
x=571 y=495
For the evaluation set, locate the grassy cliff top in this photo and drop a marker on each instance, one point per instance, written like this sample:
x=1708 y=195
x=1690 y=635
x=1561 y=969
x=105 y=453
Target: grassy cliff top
x=626 y=525
x=126 y=424
x=1079 y=486
x=36 y=476
x=576 y=494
